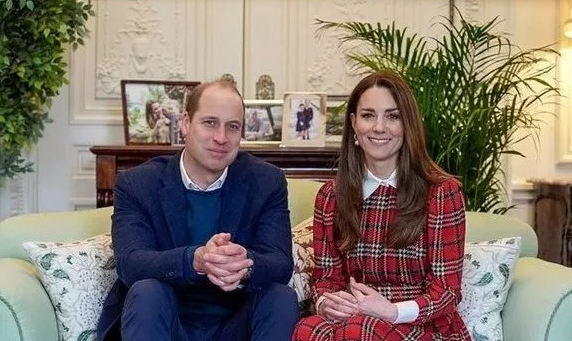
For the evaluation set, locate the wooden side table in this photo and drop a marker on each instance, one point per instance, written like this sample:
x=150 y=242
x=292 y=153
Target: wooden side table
x=306 y=163
x=553 y=219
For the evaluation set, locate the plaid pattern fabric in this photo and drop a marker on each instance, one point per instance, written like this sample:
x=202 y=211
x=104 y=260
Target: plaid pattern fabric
x=428 y=272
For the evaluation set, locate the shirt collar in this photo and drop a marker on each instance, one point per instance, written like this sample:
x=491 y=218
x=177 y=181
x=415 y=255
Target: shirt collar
x=372 y=182
x=190 y=185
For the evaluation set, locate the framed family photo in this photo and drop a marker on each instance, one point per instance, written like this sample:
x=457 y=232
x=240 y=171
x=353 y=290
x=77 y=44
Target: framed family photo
x=152 y=110
x=304 y=122
x=262 y=122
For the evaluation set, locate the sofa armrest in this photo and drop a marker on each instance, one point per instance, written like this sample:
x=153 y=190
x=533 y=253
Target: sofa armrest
x=539 y=303
x=26 y=312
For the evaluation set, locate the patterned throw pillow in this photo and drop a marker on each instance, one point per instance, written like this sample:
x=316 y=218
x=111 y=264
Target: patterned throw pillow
x=487 y=276
x=303 y=251
x=77 y=277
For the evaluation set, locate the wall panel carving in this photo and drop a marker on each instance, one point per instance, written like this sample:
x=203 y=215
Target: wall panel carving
x=328 y=70
x=139 y=39
x=151 y=39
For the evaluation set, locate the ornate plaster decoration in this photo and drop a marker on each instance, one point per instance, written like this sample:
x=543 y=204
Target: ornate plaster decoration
x=265 y=87
x=320 y=72
x=227 y=77
x=138 y=50
x=472 y=9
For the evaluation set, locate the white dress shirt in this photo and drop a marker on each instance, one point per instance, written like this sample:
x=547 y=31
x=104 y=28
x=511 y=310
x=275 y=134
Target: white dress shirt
x=189 y=184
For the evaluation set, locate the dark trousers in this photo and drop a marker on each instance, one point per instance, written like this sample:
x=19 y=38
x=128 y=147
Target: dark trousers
x=151 y=312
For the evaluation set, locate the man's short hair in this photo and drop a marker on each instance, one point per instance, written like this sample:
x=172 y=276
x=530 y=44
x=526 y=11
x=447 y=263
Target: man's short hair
x=195 y=96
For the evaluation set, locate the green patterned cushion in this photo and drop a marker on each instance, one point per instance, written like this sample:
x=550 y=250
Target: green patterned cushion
x=77 y=277
x=487 y=276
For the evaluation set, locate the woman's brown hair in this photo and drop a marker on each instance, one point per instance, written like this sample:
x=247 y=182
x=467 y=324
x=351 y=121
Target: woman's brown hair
x=415 y=169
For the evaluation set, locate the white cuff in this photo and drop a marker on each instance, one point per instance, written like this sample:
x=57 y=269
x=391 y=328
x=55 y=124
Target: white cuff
x=407 y=311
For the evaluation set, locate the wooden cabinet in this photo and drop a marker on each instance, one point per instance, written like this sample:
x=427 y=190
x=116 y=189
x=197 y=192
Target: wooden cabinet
x=553 y=219
x=306 y=163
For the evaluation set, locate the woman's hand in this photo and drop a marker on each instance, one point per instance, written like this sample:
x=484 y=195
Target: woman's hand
x=372 y=303
x=338 y=306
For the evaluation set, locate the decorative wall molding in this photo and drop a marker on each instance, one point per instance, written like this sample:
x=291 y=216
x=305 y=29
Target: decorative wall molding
x=80 y=204
x=19 y=195
x=130 y=39
x=85 y=164
x=522 y=192
x=472 y=11
x=563 y=139
x=140 y=48
x=329 y=71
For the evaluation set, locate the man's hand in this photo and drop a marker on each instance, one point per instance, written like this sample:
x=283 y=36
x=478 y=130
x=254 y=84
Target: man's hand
x=338 y=306
x=224 y=262
x=372 y=303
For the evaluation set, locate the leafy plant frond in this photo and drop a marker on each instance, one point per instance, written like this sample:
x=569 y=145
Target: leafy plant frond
x=476 y=90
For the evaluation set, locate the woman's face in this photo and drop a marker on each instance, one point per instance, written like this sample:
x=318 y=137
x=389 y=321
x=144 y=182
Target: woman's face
x=156 y=109
x=379 y=130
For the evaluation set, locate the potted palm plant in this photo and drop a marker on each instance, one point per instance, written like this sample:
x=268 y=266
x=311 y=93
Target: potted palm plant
x=479 y=94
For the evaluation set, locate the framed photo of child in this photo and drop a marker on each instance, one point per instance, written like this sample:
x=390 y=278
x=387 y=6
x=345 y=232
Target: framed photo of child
x=152 y=108
x=304 y=122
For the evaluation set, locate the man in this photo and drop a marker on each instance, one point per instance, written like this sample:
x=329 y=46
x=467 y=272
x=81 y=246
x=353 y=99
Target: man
x=202 y=239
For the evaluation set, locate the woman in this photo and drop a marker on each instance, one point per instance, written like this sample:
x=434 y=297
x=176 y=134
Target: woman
x=389 y=231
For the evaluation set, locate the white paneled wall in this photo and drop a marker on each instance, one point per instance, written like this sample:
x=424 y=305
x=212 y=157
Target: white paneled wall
x=204 y=39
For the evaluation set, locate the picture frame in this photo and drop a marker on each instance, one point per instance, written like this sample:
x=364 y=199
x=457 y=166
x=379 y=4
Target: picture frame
x=177 y=138
x=304 y=119
x=152 y=109
x=335 y=117
x=262 y=122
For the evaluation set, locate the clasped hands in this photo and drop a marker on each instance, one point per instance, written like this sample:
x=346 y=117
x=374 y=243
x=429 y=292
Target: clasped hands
x=340 y=305
x=224 y=262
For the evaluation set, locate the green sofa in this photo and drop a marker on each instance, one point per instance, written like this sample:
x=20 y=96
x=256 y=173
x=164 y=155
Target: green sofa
x=538 y=307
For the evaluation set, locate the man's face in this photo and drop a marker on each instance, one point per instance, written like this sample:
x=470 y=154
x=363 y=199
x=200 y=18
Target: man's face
x=212 y=136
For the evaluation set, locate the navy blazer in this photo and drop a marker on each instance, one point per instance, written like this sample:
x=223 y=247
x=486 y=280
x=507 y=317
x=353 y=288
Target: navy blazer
x=150 y=232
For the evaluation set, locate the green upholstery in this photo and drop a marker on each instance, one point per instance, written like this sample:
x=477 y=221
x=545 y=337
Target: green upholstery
x=55 y=226
x=301 y=196
x=538 y=307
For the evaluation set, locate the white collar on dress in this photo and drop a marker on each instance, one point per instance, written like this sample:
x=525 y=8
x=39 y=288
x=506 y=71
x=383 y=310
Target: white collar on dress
x=372 y=182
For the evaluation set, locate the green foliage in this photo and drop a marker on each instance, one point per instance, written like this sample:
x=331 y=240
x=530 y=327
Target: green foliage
x=479 y=94
x=33 y=39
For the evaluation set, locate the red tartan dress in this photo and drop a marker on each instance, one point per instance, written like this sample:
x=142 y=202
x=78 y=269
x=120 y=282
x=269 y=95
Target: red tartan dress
x=428 y=272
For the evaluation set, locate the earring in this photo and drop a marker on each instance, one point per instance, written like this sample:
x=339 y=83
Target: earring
x=356 y=142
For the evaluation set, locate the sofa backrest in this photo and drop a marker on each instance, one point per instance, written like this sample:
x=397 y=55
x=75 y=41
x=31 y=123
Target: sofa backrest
x=487 y=226
x=76 y=225
x=51 y=226
x=301 y=197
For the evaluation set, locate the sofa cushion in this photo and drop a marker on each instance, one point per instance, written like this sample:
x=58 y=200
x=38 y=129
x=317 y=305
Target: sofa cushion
x=77 y=277
x=303 y=251
x=488 y=270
